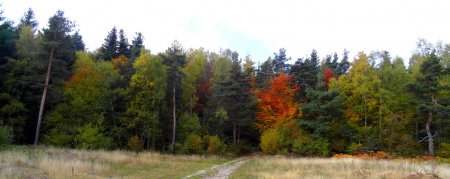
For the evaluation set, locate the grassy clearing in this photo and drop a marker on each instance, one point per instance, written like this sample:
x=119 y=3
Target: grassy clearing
x=48 y=162
x=283 y=167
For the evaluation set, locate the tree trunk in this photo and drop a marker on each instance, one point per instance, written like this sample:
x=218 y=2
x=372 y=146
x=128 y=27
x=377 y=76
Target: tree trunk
x=430 y=135
x=234 y=133
x=174 y=129
x=44 y=96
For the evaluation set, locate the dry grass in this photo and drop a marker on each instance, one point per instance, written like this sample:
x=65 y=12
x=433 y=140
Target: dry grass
x=26 y=162
x=282 y=167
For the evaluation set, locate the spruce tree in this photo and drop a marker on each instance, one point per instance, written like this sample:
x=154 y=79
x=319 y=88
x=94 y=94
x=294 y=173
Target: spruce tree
x=124 y=46
x=136 y=44
x=109 y=49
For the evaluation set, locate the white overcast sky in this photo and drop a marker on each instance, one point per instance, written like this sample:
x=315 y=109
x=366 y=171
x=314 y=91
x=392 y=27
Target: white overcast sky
x=255 y=27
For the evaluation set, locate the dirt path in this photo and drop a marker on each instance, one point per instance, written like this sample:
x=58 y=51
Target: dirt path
x=222 y=170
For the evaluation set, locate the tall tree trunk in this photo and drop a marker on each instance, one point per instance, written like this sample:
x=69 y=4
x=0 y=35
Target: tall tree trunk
x=430 y=135
x=174 y=128
x=428 y=128
x=44 y=96
x=234 y=133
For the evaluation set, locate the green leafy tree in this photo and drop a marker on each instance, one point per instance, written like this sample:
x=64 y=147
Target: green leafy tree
x=147 y=91
x=80 y=120
x=360 y=89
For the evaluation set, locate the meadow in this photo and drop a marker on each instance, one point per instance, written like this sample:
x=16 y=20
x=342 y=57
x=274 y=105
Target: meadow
x=50 y=162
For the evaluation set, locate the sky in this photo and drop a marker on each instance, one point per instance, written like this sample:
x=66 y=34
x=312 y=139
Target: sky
x=258 y=28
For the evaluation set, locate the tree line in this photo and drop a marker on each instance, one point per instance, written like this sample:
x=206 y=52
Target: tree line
x=122 y=96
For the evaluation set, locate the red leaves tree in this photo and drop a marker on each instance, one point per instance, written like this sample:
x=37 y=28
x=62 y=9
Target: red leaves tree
x=277 y=103
x=327 y=75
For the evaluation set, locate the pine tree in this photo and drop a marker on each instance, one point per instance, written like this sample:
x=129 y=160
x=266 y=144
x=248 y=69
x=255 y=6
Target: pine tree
x=109 y=49
x=78 y=43
x=323 y=109
x=344 y=65
x=304 y=73
x=124 y=46
x=175 y=59
x=28 y=19
x=57 y=48
x=136 y=45
x=264 y=73
x=426 y=89
x=279 y=62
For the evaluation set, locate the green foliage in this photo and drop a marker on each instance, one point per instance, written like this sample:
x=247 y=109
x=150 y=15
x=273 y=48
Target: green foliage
x=354 y=148
x=90 y=137
x=311 y=147
x=214 y=144
x=443 y=150
x=193 y=144
x=5 y=135
x=135 y=144
x=188 y=125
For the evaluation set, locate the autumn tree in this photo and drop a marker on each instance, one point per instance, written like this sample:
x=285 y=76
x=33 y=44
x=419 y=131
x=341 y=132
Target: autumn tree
x=147 y=91
x=360 y=88
x=80 y=120
x=276 y=103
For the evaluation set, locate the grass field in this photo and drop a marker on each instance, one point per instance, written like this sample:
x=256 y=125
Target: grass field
x=26 y=162
x=48 y=162
x=283 y=167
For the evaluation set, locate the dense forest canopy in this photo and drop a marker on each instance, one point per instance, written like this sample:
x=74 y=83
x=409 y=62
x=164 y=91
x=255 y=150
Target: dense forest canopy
x=122 y=96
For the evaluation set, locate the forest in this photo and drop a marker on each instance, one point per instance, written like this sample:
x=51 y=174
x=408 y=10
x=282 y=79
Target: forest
x=194 y=101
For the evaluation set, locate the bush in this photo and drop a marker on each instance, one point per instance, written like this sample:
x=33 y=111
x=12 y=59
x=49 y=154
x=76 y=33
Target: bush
x=443 y=150
x=91 y=138
x=5 y=135
x=193 y=144
x=311 y=147
x=213 y=144
x=135 y=144
x=269 y=142
x=355 y=148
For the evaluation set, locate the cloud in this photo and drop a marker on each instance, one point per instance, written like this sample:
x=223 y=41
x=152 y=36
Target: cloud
x=256 y=27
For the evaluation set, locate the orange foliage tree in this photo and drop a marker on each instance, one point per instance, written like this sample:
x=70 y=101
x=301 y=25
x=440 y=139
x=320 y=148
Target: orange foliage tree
x=327 y=75
x=277 y=103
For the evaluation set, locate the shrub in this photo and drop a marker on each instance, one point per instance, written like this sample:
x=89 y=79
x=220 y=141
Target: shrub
x=269 y=141
x=443 y=150
x=193 y=144
x=5 y=135
x=213 y=144
x=311 y=147
x=91 y=138
x=355 y=148
x=135 y=144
